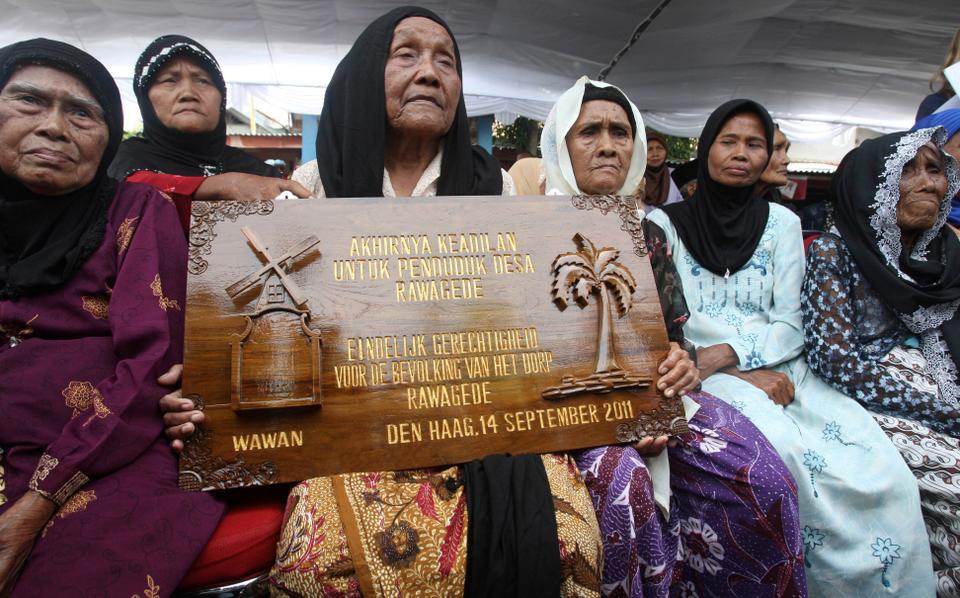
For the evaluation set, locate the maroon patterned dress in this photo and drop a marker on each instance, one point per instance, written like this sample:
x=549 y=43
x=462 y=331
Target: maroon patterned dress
x=79 y=418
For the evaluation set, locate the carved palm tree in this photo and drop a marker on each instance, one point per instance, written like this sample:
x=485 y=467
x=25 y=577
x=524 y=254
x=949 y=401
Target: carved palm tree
x=578 y=275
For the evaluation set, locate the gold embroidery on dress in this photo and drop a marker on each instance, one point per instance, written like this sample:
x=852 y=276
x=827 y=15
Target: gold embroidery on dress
x=81 y=396
x=76 y=503
x=157 y=289
x=97 y=306
x=125 y=234
x=151 y=591
x=3 y=485
x=44 y=467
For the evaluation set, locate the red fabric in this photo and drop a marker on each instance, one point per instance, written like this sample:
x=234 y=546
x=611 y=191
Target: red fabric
x=180 y=189
x=245 y=542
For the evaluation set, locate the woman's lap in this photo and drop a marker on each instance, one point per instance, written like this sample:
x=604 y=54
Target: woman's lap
x=733 y=516
x=859 y=506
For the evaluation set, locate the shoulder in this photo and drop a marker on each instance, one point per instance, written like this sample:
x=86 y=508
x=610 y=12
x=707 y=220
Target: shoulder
x=139 y=198
x=829 y=247
x=661 y=219
x=782 y=216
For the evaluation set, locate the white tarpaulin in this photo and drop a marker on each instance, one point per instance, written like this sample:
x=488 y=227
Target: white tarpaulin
x=820 y=66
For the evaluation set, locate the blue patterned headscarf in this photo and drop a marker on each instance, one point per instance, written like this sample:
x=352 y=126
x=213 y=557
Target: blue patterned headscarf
x=949 y=120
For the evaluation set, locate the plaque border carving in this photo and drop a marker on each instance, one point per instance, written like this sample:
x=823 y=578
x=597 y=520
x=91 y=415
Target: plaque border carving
x=200 y=469
x=205 y=216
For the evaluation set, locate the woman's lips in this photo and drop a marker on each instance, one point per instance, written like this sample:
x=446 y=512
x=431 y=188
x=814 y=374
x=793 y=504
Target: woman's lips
x=49 y=156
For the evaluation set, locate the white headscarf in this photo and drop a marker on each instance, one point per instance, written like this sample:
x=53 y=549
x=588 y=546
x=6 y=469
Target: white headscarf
x=557 y=165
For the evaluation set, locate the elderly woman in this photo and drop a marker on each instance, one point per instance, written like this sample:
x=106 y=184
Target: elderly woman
x=591 y=146
x=880 y=314
x=740 y=262
x=394 y=124
x=659 y=189
x=183 y=151
x=775 y=174
x=91 y=310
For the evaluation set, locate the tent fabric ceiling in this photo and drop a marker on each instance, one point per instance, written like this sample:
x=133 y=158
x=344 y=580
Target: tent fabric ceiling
x=839 y=62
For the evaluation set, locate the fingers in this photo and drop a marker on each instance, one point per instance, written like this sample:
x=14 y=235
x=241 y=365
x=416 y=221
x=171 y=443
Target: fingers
x=174 y=402
x=172 y=376
x=177 y=446
x=650 y=446
x=673 y=356
x=295 y=188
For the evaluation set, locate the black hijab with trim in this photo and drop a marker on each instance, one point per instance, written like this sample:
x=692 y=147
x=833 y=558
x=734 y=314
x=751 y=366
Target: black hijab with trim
x=44 y=240
x=351 y=132
x=722 y=225
x=166 y=150
x=865 y=192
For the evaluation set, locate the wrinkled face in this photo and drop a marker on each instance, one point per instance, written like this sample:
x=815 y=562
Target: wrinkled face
x=776 y=172
x=923 y=185
x=689 y=189
x=656 y=154
x=738 y=155
x=421 y=84
x=185 y=98
x=600 y=144
x=952 y=146
x=52 y=131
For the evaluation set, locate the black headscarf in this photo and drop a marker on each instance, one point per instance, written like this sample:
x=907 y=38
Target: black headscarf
x=721 y=225
x=352 y=127
x=921 y=286
x=44 y=240
x=166 y=150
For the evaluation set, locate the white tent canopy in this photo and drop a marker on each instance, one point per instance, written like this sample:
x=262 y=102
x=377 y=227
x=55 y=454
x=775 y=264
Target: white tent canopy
x=820 y=66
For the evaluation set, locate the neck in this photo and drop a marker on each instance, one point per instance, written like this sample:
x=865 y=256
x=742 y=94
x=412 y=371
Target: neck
x=406 y=157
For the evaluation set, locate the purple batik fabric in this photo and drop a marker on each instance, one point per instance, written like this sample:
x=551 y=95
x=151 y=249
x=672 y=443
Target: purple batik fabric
x=79 y=415
x=733 y=528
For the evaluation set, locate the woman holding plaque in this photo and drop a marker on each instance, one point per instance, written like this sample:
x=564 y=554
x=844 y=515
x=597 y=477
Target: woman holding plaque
x=719 y=488
x=183 y=150
x=740 y=261
x=91 y=311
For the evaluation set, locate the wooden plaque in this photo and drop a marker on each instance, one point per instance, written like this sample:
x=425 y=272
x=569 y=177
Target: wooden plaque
x=332 y=336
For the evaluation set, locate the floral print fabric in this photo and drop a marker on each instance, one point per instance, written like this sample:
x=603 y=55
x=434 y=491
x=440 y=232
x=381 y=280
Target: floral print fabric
x=733 y=527
x=848 y=330
x=405 y=533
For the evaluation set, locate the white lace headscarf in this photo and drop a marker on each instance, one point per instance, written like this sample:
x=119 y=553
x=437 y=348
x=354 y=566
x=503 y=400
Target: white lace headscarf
x=557 y=166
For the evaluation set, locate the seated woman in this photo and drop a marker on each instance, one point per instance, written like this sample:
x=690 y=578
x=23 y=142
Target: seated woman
x=394 y=124
x=880 y=315
x=91 y=310
x=740 y=262
x=183 y=150
x=729 y=487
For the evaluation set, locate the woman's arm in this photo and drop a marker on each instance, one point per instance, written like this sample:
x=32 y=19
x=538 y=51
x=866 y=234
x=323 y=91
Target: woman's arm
x=146 y=323
x=679 y=369
x=834 y=349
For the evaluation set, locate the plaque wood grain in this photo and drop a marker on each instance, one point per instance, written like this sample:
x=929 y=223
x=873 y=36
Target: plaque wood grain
x=279 y=430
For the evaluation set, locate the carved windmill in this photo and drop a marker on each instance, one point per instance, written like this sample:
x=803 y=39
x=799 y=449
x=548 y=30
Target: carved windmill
x=578 y=276
x=277 y=360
